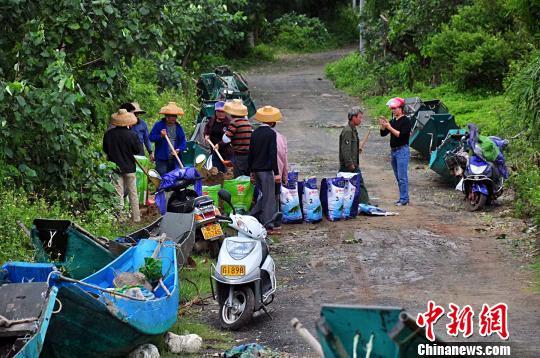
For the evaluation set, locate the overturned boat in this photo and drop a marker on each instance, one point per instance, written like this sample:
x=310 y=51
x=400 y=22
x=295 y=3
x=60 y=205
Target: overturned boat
x=26 y=306
x=437 y=161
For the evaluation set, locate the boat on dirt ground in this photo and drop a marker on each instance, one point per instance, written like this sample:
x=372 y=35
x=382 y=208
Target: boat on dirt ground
x=26 y=305
x=437 y=161
x=69 y=247
x=105 y=316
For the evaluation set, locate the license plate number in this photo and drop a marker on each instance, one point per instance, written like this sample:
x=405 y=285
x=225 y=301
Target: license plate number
x=211 y=231
x=233 y=270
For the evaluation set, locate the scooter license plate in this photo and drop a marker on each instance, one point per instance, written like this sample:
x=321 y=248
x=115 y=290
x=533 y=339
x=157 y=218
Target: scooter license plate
x=211 y=231
x=233 y=270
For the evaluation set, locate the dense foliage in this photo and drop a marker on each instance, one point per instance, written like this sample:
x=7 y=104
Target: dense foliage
x=62 y=72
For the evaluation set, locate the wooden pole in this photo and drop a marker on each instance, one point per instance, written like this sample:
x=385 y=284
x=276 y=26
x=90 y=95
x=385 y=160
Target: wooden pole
x=171 y=146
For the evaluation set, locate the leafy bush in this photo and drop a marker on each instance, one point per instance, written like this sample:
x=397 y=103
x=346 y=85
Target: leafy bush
x=297 y=32
x=523 y=91
x=354 y=75
x=18 y=205
x=476 y=47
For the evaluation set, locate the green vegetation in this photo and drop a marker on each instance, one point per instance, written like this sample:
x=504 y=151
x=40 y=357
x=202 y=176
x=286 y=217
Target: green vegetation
x=195 y=281
x=212 y=338
x=480 y=58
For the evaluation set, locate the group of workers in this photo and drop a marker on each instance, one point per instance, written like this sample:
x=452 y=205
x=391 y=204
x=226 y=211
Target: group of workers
x=260 y=153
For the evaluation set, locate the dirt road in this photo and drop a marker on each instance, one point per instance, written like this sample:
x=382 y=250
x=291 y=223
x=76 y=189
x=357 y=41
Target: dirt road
x=433 y=250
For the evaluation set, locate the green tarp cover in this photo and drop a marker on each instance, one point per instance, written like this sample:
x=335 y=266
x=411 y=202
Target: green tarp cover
x=490 y=151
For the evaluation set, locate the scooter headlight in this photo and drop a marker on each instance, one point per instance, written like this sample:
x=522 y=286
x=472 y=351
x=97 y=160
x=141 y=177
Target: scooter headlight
x=238 y=249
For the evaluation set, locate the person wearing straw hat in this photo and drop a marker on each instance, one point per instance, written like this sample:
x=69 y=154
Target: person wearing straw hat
x=168 y=126
x=239 y=135
x=263 y=164
x=399 y=129
x=121 y=144
x=214 y=130
x=141 y=129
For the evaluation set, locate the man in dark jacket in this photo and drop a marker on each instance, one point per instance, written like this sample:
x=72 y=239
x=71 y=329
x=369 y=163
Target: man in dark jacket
x=263 y=165
x=349 y=150
x=168 y=126
x=121 y=144
x=214 y=131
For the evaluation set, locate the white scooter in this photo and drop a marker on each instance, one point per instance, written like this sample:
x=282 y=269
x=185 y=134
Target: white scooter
x=245 y=275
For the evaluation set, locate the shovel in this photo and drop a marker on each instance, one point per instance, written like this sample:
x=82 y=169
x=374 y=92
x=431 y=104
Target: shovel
x=226 y=163
x=171 y=146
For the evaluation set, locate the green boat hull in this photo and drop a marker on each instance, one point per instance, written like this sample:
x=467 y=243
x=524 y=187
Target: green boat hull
x=71 y=249
x=437 y=162
x=104 y=334
x=391 y=331
x=430 y=130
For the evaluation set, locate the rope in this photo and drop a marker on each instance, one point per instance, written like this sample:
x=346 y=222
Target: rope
x=355 y=345
x=369 y=346
x=59 y=306
x=114 y=293
x=52 y=234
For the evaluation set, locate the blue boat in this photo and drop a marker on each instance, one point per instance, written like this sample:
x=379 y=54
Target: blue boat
x=26 y=305
x=97 y=320
x=347 y=331
x=437 y=161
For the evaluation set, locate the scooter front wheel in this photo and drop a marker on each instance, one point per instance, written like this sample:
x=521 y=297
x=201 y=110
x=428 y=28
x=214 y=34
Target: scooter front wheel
x=475 y=201
x=240 y=311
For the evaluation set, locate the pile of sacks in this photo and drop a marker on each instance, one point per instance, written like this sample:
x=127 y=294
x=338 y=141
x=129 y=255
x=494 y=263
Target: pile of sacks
x=338 y=198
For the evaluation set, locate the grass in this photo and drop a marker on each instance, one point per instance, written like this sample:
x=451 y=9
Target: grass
x=213 y=339
x=196 y=281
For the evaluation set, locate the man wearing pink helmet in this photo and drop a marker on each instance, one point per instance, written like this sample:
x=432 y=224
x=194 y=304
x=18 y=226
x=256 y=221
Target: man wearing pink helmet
x=399 y=129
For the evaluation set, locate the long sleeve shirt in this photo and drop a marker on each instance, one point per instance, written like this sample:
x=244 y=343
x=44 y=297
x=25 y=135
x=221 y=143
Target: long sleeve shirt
x=282 y=156
x=141 y=130
x=121 y=144
x=163 y=151
x=262 y=155
x=348 y=148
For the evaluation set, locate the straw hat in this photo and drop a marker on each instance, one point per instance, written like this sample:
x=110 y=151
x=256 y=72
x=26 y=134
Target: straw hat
x=123 y=118
x=236 y=108
x=268 y=114
x=171 y=109
x=137 y=108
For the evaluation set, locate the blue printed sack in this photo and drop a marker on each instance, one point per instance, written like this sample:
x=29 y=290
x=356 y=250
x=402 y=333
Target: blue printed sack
x=332 y=190
x=290 y=200
x=351 y=194
x=311 y=202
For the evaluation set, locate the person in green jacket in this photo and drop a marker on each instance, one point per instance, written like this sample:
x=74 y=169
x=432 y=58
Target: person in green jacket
x=349 y=150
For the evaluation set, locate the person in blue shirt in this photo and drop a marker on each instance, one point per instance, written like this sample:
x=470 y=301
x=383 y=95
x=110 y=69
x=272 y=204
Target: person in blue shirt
x=141 y=129
x=168 y=126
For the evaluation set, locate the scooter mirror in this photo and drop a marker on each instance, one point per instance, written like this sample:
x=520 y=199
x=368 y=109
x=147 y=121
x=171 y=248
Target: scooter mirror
x=226 y=197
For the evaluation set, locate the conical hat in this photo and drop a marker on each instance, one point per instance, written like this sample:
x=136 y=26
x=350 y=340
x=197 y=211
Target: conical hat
x=137 y=108
x=268 y=114
x=123 y=118
x=172 y=109
x=235 y=108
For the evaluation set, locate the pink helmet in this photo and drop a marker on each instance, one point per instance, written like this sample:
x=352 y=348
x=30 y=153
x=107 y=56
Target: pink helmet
x=395 y=102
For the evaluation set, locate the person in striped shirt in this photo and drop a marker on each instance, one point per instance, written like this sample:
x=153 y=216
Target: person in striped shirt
x=239 y=135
